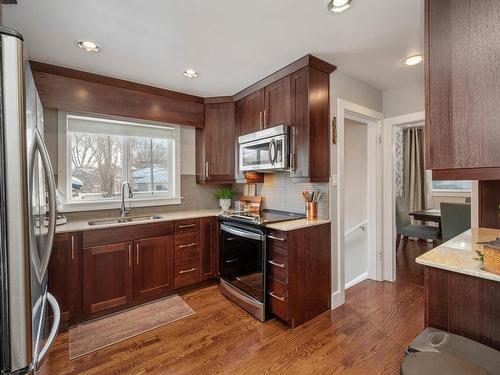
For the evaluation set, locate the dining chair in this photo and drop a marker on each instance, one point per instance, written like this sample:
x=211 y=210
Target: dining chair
x=406 y=229
x=455 y=219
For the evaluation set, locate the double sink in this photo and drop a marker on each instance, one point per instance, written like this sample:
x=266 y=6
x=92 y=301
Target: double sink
x=118 y=220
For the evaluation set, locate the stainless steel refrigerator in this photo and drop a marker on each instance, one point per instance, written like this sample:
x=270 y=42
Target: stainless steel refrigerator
x=29 y=314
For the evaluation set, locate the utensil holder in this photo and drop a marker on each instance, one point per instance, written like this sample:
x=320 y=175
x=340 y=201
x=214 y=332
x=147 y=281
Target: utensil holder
x=311 y=211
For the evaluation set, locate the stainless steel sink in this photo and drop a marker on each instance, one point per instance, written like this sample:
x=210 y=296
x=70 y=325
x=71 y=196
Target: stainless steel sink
x=118 y=220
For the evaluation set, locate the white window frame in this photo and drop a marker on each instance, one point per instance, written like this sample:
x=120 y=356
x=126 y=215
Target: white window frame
x=64 y=174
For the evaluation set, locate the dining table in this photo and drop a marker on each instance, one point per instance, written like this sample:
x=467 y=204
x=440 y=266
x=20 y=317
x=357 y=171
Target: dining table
x=430 y=214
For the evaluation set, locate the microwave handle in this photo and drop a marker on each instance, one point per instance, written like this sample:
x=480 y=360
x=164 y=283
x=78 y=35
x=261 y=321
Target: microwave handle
x=272 y=151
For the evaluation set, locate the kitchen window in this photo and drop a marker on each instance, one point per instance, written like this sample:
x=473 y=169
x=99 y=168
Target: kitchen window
x=102 y=153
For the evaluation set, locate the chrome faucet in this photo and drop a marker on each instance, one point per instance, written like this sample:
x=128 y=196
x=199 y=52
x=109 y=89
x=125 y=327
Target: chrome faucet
x=124 y=210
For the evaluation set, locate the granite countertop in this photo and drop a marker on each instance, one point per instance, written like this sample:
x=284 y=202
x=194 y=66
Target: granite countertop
x=83 y=225
x=457 y=255
x=296 y=224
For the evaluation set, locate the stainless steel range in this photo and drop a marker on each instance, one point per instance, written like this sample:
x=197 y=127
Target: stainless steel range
x=243 y=257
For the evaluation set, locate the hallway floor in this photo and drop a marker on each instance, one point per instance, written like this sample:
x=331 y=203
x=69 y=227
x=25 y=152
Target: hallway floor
x=406 y=269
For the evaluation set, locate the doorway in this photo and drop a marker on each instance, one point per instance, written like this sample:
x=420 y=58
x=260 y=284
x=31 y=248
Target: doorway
x=371 y=121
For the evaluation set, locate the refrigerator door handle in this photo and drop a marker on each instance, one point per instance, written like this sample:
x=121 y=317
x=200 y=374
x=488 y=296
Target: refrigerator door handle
x=41 y=265
x=53 y=331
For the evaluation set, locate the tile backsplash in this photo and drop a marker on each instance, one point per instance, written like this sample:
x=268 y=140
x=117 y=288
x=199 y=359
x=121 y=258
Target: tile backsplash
x=281 y=193
x=194 y=197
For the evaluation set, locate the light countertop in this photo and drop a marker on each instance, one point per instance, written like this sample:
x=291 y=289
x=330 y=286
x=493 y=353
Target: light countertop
x=83 y=225
x=459 y=253
x=296 y=224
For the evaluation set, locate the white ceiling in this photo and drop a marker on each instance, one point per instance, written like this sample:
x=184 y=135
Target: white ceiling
x=231 y=43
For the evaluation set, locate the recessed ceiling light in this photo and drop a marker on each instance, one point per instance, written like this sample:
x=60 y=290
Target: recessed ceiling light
x=338 y=6
x=413 y=60
x=88 y=46
x=190 y=73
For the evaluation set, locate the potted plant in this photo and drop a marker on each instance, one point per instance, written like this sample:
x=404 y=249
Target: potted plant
x=224 y=196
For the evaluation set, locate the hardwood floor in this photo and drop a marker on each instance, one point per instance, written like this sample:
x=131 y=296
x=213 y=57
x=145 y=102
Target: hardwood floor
x=406 y=268
x=365 y=336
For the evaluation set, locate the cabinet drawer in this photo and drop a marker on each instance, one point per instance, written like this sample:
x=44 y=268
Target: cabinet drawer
x=188 y=225
x=187 y=245
x=278 y=298
x=277 y=238
x=187 y=271
x=277 y=265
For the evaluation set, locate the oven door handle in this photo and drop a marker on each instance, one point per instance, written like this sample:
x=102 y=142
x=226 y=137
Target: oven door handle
x=242 y=233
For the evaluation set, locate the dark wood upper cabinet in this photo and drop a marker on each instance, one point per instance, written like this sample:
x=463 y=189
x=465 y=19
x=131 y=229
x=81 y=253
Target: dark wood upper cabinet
x=107 y=277
x=310 y=125
x=253 y=111
x=153 y=267
x=215 y=144
x=277 y=103
x=65 y=272
x=462 y=75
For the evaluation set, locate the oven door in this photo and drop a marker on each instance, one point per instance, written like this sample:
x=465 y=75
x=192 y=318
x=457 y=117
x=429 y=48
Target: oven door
x=264 y=154
x=242 y=259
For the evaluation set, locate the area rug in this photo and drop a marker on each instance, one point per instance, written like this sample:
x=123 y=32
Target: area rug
x=88 y=337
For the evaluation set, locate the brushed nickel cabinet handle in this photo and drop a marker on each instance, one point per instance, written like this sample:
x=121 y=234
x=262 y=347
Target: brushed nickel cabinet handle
x=137 y=253
x=129 y=255
x=280 y=265
x=188 y=245
x=282 y=299
x=206 y=169
x=187 y=271
x=72 y=247
x=265 y=113
x=260 y=120
x=187 y=226
x=276 y=238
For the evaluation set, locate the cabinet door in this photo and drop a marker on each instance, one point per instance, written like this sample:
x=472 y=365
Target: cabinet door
x=277 y=97
x=209 y=242
x=65 y=276
x=299 y=138
x=462 y=75
x=219 y=141
x=253 y=111
x=107 y=277
x=153 y=267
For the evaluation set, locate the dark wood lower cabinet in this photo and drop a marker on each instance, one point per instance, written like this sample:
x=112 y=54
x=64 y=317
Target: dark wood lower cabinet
x=209 y=243
x=153 y=267
x=65 y=276
x=465 y=305
x=107 y=277
x=298 y=268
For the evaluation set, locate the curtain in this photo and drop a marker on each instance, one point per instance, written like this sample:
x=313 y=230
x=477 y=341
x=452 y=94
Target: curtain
x=414 y=168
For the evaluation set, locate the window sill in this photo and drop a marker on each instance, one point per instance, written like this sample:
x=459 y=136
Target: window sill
x=105 y=205
x=451 y=193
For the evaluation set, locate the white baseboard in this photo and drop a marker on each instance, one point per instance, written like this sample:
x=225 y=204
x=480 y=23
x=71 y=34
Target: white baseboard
x=357 y=280
x=337 y=299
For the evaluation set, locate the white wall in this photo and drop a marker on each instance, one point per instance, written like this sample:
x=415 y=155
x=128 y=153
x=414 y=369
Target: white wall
x=405 y=99
x=343 y=86
x=355 y=199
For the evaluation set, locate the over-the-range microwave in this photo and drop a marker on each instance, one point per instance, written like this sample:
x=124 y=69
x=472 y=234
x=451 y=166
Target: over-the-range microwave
x=265 y=150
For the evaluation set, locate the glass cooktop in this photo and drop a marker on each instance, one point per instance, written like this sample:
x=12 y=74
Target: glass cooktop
x=265 y=217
